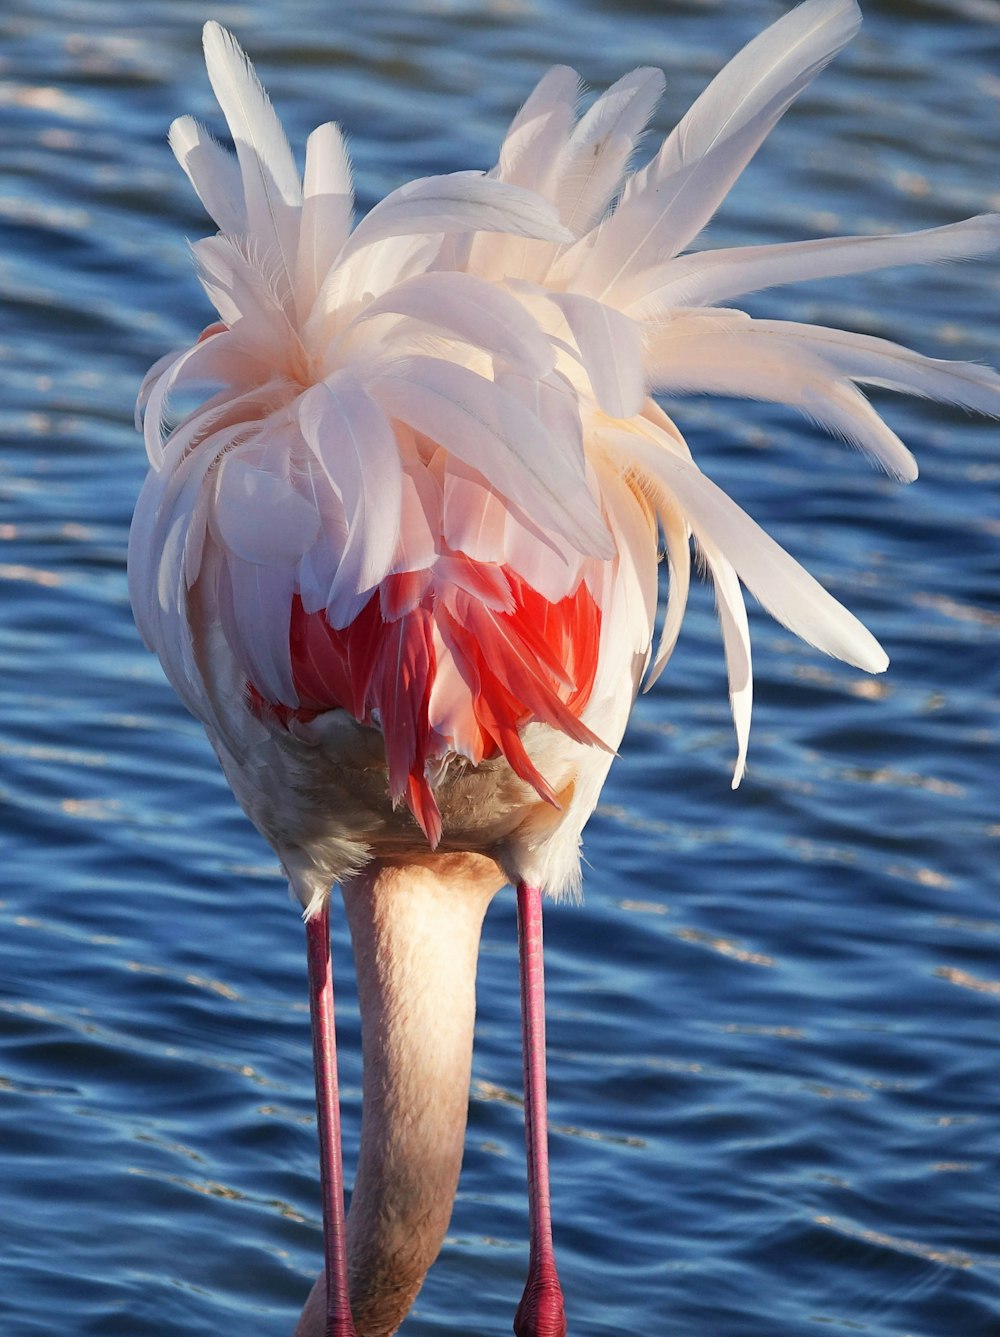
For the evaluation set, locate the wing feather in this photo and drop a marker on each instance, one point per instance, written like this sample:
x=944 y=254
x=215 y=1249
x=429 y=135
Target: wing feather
x=458 y=202
x=707 y=278
x=479 y=313
x=732 y=613
x=271 y=185
x=666 y=205
x=610 y=348
x=730 y=358
x=788 y=592
x=327 y=209
x=598 y=150
x=351 y=438
x=213 y=172
x=487 y=428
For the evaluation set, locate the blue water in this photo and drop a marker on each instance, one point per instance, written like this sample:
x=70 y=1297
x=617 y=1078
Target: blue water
x=774 y=1070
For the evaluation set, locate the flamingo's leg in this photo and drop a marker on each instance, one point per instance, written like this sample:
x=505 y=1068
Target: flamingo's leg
x=339 y=1322
x=541 y=1312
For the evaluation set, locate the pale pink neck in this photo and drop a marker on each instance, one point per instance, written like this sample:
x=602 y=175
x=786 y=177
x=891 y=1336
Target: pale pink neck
x=416 y=932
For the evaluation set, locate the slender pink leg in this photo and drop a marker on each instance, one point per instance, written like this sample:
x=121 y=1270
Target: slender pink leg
x=541 y=1312
x=339 y=1322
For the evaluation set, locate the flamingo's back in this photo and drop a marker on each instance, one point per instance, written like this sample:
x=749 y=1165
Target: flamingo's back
x=411 y=537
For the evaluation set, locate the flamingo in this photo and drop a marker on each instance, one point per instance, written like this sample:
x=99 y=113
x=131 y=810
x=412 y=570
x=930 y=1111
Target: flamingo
x=401 y=559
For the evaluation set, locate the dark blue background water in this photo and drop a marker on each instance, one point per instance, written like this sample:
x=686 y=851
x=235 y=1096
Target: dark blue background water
x=774 y=1072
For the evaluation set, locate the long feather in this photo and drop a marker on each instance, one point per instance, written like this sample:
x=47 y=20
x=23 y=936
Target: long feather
x=538 y=132
x=677 y=540
x=459 y=202
x=261 y=606
x=327 y=207
x=736 y=644
x=707 y=278
x=610 y=349
x=668 y=203
x=213 y=172
x=486 y=427
x=733 y=360
x=271 y=183
x=348 y=433
x=874 y=361
x=482 y=314
x=788 y=592
x=598 y=150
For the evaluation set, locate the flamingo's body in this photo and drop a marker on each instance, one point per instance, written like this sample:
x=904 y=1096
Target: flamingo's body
x=403 y=562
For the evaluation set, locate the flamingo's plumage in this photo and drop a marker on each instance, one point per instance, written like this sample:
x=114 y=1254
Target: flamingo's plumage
x=402 y=562
x=433 y=460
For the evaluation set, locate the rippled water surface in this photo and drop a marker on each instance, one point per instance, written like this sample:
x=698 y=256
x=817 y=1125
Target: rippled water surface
x=774 y=1071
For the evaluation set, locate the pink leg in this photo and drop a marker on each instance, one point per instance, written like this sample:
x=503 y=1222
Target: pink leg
x=339 y=1322
x=541 y=1312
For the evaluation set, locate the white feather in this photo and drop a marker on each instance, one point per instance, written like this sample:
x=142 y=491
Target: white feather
x=729 y=358
x=677 y=539
x=736 y=644
x=486 y=427
x=261 y=610
x=554 y=402
x=610 y=349
x=474 y=514
x=317 y=570
x=668 y=203
x=479 y=313
x=258 y=515
x=271 y=185
x=153 y=423
x=459 y=202
x=248 y=288
x=538 y=132
x=348 y=433
x=600 y=146
x=327 y=209
x=874 y=361
x=531 y=156
x=788 y=592
x=213 y=172
x=707 y=278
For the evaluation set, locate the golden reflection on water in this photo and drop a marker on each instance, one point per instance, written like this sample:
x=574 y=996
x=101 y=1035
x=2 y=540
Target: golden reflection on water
x=725 y=947
x=949 y=1257
x=967 y=980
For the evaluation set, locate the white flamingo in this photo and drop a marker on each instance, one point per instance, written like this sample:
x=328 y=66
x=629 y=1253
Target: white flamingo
x=402 y=561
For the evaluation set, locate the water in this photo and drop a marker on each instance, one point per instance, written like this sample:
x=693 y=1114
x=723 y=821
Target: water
x=772 y=1024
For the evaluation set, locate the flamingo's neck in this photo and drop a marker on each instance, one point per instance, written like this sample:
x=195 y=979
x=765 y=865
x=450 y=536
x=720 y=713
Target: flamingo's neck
x=416 y=932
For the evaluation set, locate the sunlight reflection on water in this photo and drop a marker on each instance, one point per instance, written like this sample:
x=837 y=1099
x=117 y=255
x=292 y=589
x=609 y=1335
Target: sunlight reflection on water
x=772 y=1092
